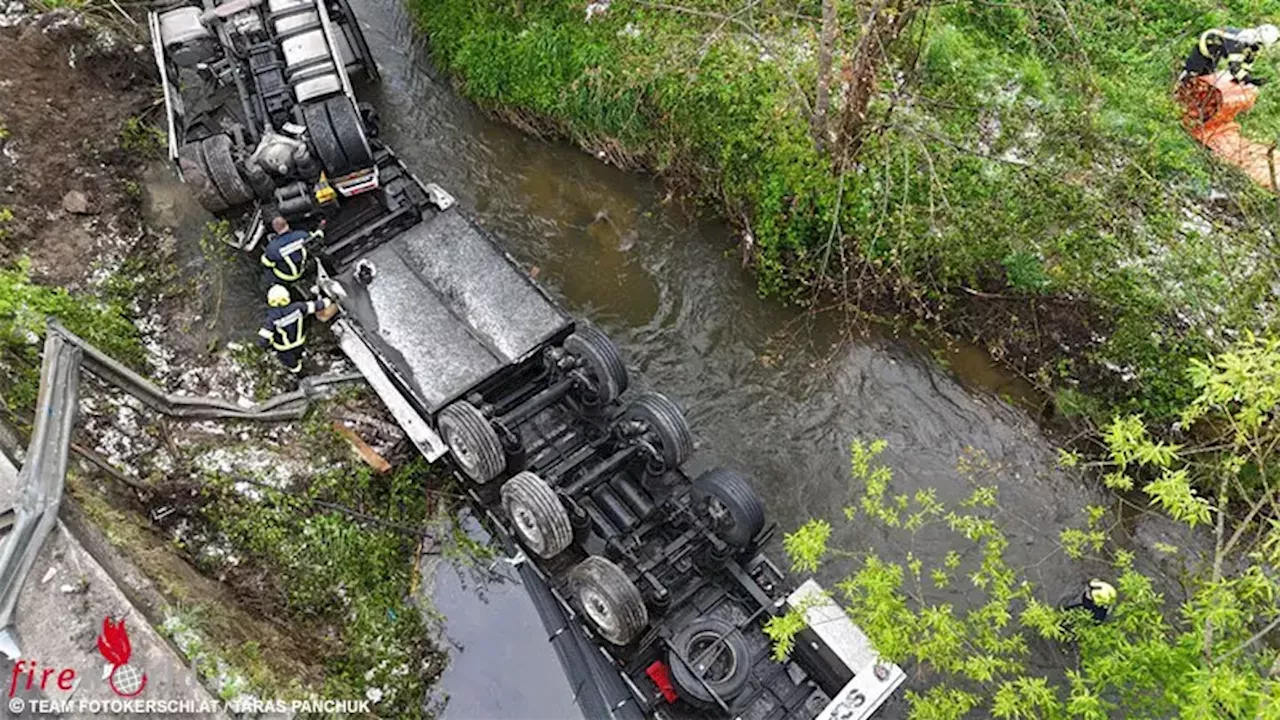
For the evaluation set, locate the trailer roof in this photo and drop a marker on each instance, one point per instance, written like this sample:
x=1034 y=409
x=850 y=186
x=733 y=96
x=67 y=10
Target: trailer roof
x=447 y=308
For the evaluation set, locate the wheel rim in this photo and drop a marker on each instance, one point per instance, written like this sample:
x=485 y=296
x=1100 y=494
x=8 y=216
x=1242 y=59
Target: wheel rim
x=719 y=663
x=461 y=451
x=720 y=515
x=599 y=610
x=527 y=527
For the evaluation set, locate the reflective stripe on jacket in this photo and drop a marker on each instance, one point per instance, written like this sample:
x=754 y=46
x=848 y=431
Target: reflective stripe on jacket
x=286 y=255
x=1225 y=44
x=284 y=326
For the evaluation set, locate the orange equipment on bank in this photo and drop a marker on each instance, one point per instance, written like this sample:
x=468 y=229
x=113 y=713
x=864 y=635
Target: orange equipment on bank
x=1210 y=104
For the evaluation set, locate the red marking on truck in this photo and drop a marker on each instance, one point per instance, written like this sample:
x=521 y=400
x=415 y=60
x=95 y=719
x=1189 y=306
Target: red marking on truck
x=658 y=673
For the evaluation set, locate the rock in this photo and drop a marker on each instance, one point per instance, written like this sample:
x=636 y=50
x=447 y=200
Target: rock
x=76 y=203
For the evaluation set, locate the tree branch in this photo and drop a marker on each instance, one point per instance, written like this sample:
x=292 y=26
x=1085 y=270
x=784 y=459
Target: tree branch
x=1244 y=645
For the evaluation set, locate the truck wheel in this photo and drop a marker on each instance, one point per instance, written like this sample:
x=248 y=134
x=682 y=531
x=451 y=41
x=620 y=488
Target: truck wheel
x=195 y=174
x=348 y=132
x=320 y=132
x=717 y=653
x=216 y=151
x=472 y=441
x=610 y=600
x=603 y=362
x=733 y=506
x=539 y=517
x=667 y=425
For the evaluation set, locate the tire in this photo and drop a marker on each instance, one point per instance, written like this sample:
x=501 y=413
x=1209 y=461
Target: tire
x=718 y=653
x=609 y=600
x=216 y=151
x=195 y=174
x=349 y=132
x=472 y=442
x=733 y=506
x=666 y=424
x=602 y=360
x=322 y=139
x=537 y=515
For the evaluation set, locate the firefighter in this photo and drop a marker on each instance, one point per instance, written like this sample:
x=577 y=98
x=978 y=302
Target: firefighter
x=285 y=256
x=1098 y=598
x=1238 y=47
x=284 y=329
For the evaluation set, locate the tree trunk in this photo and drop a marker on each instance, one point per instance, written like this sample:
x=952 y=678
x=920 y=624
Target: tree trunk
x=881 y=29
x=818 y=122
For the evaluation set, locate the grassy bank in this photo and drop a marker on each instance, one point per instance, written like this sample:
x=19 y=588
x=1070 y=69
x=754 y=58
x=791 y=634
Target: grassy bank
x=1021 y=175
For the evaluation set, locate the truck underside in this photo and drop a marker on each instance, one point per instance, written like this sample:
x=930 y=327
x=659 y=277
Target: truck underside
x=651 y=583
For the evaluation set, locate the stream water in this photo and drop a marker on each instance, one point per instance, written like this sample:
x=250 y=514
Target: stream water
x=765 y=388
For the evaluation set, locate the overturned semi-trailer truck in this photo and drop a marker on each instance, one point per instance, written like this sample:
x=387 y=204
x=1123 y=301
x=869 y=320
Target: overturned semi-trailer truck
x=650 y=583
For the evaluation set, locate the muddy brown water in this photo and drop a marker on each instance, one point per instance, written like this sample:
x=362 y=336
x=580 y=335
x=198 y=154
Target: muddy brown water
x=766 y=389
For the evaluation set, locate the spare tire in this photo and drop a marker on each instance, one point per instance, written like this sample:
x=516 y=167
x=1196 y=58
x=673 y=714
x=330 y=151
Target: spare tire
x=609 y=599
x=728 y=499
x=216 y=151
x=602 y=360
x=537 y=515
x=349 y=132
x=195 y=174
x=709 y=655
x=666 y=424
x=472 y=442
x=320 y=132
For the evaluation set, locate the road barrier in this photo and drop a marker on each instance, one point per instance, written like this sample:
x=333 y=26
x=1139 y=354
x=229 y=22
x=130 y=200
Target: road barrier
x=44 y=468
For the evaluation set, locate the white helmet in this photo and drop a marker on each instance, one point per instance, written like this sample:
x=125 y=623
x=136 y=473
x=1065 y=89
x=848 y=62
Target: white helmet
x=1267 y=34
x=278 y=296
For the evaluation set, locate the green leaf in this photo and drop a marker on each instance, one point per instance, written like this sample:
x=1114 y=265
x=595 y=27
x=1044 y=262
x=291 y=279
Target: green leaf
x=807 y=545
x=1173 y=492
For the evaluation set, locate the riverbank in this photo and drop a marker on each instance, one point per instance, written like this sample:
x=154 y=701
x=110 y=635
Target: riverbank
x=1017 y=177
x=275 y=562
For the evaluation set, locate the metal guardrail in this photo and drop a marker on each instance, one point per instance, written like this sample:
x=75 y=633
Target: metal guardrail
x=44 y=467
x=287 y=406
x=41 y=478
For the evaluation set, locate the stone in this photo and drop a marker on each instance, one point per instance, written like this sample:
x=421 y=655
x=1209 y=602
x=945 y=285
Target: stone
x=76 y=203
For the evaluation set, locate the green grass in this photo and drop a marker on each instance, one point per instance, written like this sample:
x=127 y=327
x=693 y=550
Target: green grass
x=1034 y=150
x=24 y=308
x=344 y=577
x=141 y=139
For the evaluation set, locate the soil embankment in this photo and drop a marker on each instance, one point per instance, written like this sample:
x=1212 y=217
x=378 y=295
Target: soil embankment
x=277 y=564
x=73 y=111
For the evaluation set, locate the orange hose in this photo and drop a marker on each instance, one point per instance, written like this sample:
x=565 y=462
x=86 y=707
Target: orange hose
x=1210 y=105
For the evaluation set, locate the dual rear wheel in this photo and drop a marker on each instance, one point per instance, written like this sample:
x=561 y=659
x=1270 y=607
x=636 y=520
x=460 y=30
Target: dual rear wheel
x=337 y=135
x=209 y=166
